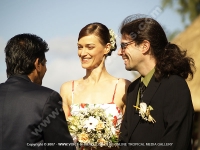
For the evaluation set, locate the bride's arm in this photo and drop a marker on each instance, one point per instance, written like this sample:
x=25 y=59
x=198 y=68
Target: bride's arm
x=124 y=90
x=64 y=93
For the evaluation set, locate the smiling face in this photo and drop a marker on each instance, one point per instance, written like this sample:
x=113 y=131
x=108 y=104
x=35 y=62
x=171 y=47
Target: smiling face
x=91 y=52
x=131 y=54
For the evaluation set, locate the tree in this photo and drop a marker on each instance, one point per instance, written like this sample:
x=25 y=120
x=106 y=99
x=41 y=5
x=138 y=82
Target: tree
x=187 y=8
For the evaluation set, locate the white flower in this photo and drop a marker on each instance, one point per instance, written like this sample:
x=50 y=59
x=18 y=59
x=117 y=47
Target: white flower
x=75 y=109
x=113 y=130
x=91 y=123
x=73 y=128
x=143 y=107
x=144 y=112
x=112 y=39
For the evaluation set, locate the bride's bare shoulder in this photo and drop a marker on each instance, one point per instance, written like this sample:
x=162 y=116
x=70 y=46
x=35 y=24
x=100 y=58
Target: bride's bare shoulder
x=67 y=86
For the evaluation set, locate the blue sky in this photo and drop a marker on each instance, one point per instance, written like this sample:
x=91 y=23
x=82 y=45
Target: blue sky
x=59 y=22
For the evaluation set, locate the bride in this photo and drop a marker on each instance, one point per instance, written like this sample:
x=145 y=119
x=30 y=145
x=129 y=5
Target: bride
x=95 y=43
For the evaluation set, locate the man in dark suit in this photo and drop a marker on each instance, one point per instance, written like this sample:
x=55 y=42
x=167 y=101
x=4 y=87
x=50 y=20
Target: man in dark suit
x=31 y=116
x=159 y=110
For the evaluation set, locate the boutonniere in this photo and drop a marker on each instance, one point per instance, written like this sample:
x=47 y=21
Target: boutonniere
x=144 y=112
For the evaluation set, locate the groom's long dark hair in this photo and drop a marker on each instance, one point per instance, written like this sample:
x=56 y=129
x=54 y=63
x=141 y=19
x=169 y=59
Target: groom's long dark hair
x=170 y=59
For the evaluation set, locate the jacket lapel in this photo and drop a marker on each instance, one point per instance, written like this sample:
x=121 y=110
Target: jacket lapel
x=133 y=114
x=148 y=95
x=150 y=90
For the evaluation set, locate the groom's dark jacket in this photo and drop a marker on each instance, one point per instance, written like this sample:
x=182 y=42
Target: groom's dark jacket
x=172 y=110
x=31 y=117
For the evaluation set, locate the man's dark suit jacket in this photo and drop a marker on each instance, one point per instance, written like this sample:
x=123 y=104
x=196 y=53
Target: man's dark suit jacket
x=31 y=117
x=173 y=112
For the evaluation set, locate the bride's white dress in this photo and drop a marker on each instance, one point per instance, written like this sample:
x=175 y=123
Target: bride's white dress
x=110 y=109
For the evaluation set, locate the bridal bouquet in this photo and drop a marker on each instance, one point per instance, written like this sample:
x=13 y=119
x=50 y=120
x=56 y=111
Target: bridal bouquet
x=92 y=126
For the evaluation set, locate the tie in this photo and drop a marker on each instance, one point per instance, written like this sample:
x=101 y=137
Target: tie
x=142 y=88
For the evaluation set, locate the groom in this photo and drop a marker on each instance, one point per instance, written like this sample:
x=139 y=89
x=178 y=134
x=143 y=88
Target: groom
x=159 y=110
x=31 y=116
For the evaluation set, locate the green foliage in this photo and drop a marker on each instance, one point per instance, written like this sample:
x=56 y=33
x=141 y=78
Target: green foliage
x=187 y=8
